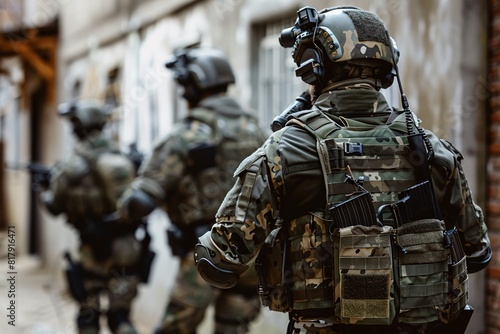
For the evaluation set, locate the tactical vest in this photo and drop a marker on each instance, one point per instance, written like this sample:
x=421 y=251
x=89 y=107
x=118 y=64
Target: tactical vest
x=234 y=135
x=321 y=266
x=95 y=180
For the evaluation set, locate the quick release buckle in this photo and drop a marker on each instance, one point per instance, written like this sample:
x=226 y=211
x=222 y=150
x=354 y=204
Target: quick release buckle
x=353 y=148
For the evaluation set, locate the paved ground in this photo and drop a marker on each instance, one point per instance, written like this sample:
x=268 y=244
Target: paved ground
x=44 y=307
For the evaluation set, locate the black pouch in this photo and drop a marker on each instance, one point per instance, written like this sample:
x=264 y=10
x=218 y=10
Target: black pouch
x=183 y=239
x=74 y=277
x=458 y=278
x=273 y=288
x=146 y=264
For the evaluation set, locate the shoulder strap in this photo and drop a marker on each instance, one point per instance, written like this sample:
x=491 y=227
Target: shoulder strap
x=319 y=126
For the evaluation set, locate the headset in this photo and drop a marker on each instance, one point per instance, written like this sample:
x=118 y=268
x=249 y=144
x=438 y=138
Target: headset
x=311 y=65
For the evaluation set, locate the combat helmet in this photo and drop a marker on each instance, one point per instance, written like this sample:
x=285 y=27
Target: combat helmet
x=327 y=43
x=86 y=116
x=201 y=71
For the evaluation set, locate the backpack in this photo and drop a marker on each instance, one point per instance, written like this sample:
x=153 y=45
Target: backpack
x=352 y=268
x=95 y=179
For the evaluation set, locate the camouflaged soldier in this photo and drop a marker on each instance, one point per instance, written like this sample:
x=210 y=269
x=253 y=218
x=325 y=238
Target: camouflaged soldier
x=85 y=188
x=188 y=175
x=357 y=219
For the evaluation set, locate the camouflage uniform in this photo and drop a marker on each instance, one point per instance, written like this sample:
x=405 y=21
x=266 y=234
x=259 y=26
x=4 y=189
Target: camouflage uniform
x=271 y=191
x=85 y=188
x=188 y=175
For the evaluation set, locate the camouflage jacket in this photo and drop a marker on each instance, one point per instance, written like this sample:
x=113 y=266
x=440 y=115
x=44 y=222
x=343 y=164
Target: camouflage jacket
x=87 y=185
x=266 y=190
x=190 y=170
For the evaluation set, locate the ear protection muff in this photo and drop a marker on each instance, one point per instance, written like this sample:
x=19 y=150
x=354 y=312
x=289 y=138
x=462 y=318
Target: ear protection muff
x=311 y=68
x=192 y=92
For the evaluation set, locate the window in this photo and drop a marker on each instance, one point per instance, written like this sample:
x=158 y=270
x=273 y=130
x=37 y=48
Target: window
x=273 y=76
x=11 y=14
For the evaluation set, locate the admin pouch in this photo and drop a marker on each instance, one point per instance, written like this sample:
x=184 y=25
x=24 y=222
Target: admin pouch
x=364 y=280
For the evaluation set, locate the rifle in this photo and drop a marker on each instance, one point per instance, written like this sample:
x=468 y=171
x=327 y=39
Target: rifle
x=301 y=102
x=40 y=174
x=457 y=326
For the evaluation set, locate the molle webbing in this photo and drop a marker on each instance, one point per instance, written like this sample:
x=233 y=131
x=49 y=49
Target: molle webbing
x=372 y=187
x=423 y=270
x=311 y=261
x=379 y=155
x=459 y=286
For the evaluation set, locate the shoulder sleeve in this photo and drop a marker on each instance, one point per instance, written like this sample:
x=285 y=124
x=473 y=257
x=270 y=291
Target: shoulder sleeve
x=455 y=196
x=249 y=211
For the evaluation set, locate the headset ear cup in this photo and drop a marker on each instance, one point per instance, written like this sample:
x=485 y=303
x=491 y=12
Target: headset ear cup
x=311 y=68
x=387 y=80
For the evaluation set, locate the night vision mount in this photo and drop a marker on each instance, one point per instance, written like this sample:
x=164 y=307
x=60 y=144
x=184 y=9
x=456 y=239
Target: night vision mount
x=310 y=65
x=178 y=64
x=307 y=18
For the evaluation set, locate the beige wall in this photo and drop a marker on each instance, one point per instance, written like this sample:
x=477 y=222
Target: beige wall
x=442 y=44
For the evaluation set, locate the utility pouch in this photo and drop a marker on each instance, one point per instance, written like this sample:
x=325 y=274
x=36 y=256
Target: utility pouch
x=270 y=265
x=74 y=277
x=363 y=269
x=423 y=270
x=147 y=257
x=458 y=278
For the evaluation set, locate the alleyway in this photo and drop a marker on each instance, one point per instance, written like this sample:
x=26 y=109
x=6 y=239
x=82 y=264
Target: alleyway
x=43 y=306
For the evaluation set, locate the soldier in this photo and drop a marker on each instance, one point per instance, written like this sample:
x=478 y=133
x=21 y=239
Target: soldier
x=188 y=175
x=358 y=220
x=86 y=188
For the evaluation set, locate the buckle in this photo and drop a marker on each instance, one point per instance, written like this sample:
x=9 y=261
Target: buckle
x=353 y=148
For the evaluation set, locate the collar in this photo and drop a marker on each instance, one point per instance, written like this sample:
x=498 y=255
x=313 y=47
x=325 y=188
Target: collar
x=355 y=106
x=218 y=101
x=353 y=101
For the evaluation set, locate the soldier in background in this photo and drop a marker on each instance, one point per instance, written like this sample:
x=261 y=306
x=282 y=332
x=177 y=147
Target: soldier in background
x=188 y=175
x=85 y=188
x=359 y=220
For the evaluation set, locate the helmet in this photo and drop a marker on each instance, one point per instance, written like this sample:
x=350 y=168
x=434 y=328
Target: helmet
x=335 y=37
x=85 y=115
x=201 y=70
